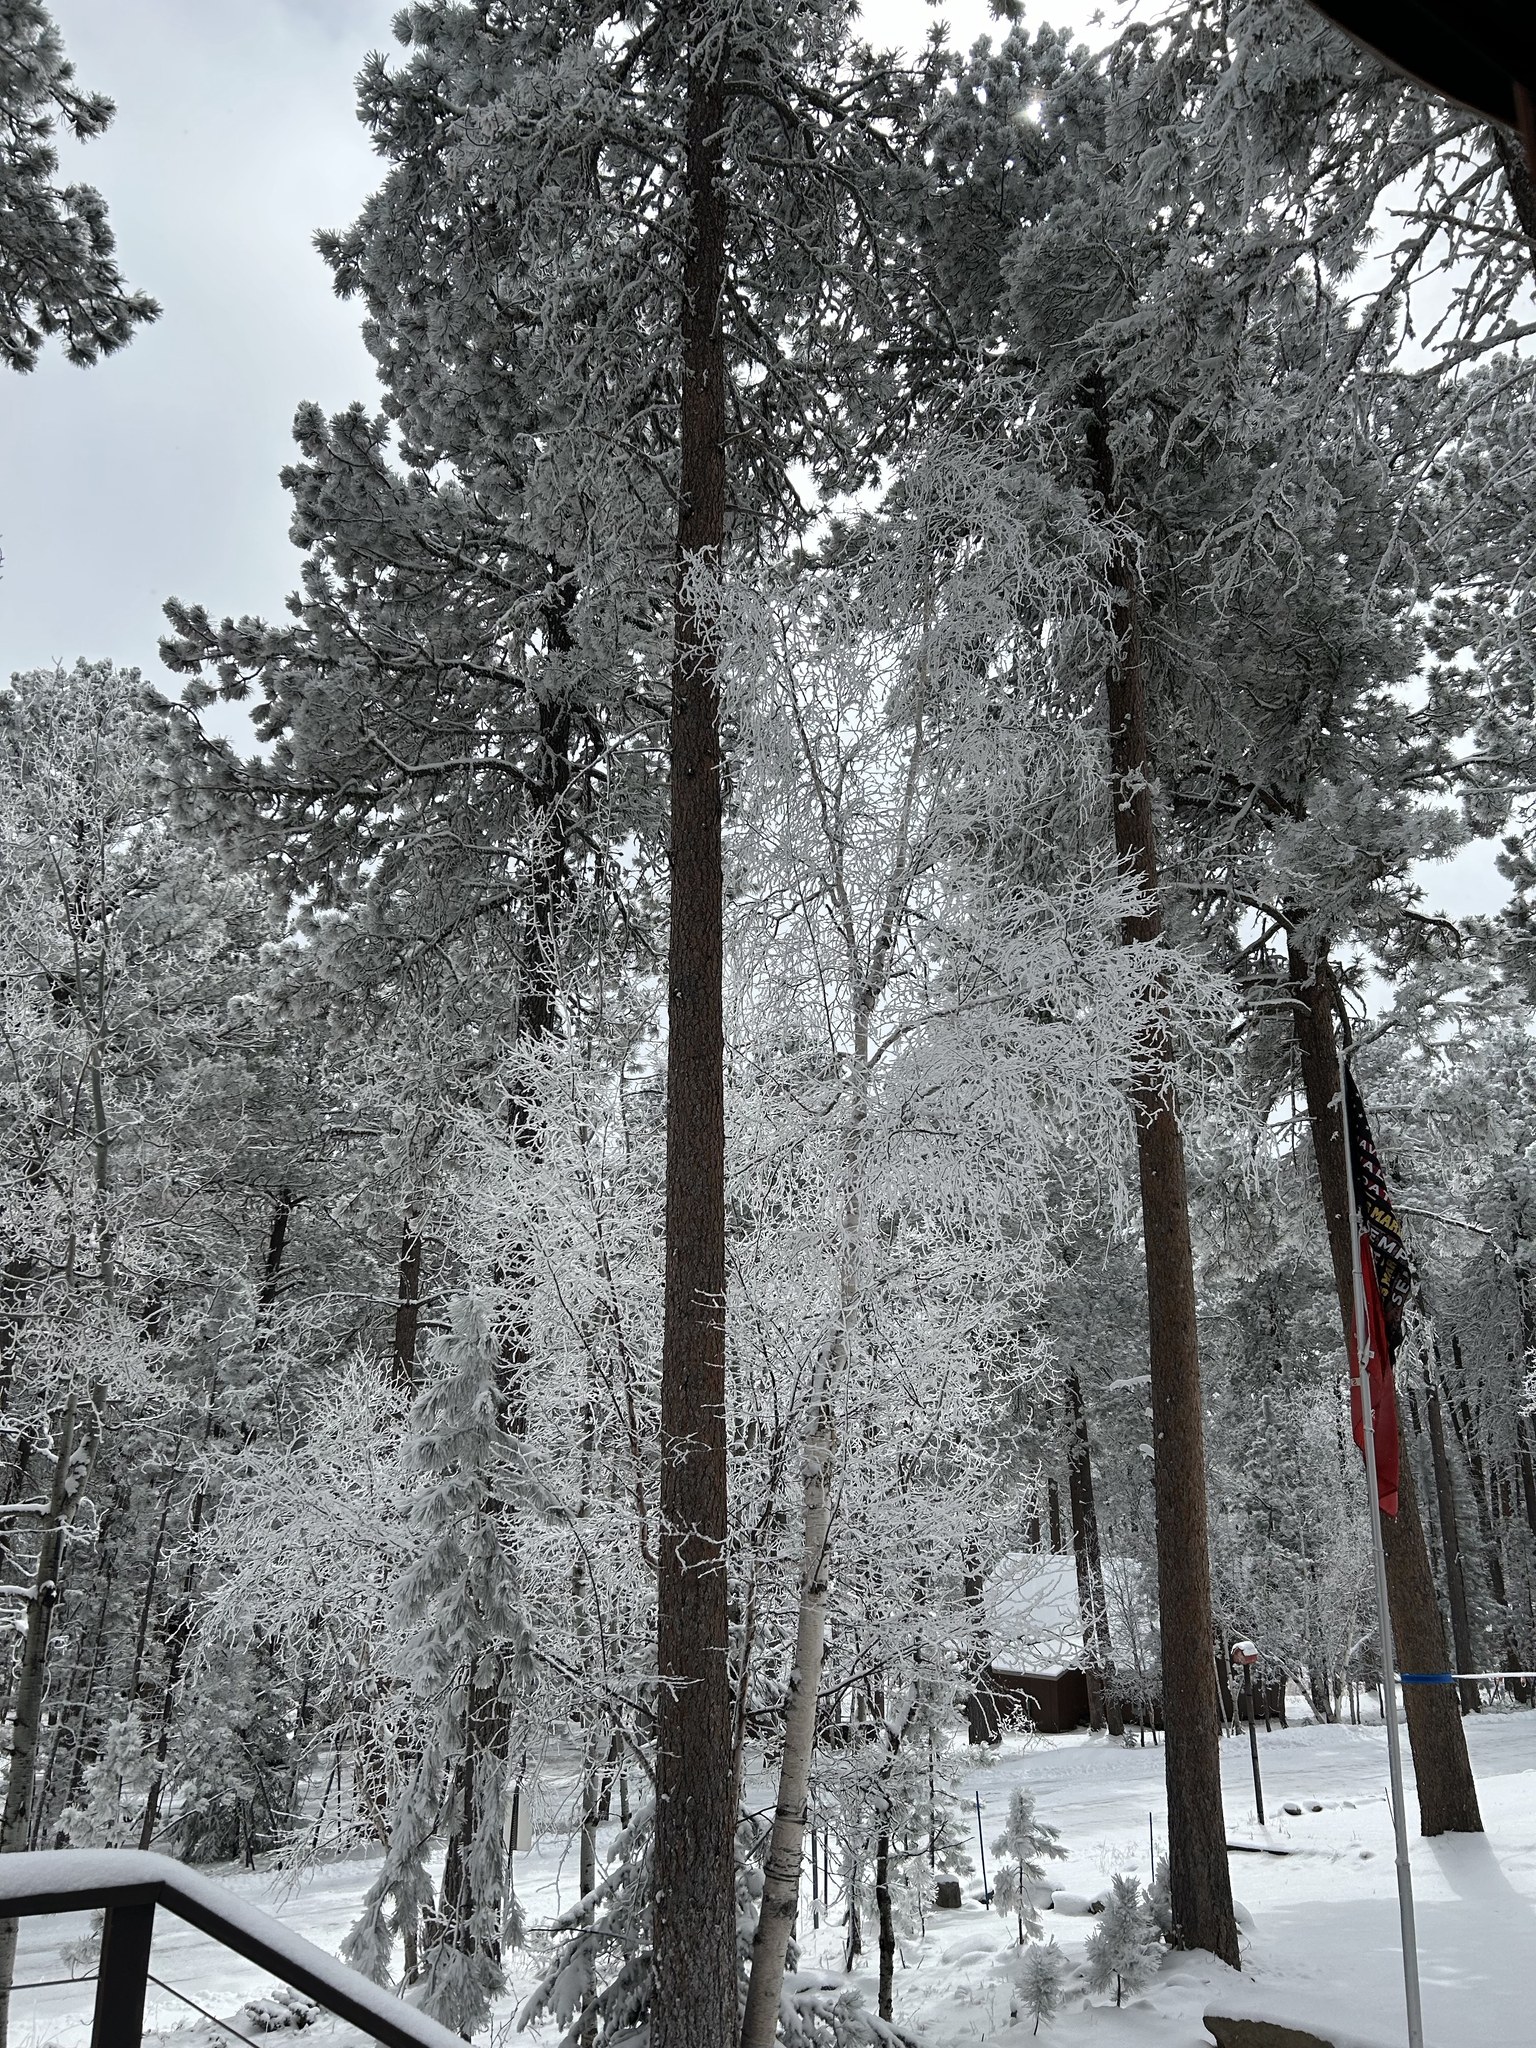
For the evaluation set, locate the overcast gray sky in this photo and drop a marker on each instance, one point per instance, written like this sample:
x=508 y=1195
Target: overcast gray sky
x=155 y=473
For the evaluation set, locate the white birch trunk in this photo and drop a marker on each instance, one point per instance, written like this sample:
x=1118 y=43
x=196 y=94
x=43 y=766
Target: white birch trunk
x=781 y=1871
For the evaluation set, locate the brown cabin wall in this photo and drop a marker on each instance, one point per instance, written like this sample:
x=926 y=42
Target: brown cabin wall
x=1052 y=1701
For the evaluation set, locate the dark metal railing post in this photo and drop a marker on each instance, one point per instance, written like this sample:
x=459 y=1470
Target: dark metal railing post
x=124 y=1975
x=128 y=1884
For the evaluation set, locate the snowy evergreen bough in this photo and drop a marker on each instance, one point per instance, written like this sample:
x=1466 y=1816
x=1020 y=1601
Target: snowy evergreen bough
x=58 y=274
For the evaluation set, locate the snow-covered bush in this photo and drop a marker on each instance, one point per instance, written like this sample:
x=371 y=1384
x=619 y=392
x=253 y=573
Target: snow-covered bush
x=281 y=2011
x=597 y=1986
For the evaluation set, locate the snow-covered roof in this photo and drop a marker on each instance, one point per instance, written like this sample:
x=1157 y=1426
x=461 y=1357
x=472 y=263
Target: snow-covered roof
x=1033 y=1620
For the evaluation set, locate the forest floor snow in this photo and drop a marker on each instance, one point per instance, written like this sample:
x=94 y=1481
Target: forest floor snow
x=1320 y=1946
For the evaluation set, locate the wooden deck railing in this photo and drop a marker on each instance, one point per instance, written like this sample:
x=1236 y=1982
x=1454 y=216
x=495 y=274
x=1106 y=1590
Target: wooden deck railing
x=130 y=1885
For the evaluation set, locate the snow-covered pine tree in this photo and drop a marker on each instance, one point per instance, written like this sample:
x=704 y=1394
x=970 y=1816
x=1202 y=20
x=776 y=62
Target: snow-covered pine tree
x=611 y=216
x=126 y=1289
x=467 y=1657
x=1041 y=1976
x=1038 y=126
x=57 y=270
x=1125 y=1944
x=1021 y=1845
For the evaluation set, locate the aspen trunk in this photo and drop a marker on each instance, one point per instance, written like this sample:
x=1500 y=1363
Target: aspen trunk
x=694 y=1920
x=1200 y=1883
x=887 y=1925
x=781 y=1871
x=74 y=1722
x=1441 y=1767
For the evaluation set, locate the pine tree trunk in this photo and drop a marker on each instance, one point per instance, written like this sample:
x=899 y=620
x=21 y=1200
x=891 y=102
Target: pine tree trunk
x=1463 y=1427
x=408 y=1300
x=1527 y=1471
x=1441 y=1767
x=31 y=1682
x=271 y=1273
x=593 y=1749
x=694 y=2004
x=1450 y=1534
x=178 y=1637
x=1200 y=1882
x=586 y=1874
x=1092 y=1605
x=853 y=1878
x=1519 y=183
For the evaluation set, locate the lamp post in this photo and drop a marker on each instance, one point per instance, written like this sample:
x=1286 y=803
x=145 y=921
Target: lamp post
x=1245 y=1656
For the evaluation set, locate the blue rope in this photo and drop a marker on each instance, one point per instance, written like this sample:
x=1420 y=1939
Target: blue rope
x=1426 y=1677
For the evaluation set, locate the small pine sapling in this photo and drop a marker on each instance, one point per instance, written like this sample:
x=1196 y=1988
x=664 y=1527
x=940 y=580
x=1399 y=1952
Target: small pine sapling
x=1042 y=1978
x=1160 y=1899
x=1123 y=1948
x=1020 y=1847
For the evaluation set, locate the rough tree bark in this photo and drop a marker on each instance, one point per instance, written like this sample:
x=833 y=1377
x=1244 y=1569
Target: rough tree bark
x=1441 y=1768
x=1092 y=1605
x=694 y=1926
x=1200 y=1883
x=71 y=1460
x=1450 y=1532
x=408 y=1299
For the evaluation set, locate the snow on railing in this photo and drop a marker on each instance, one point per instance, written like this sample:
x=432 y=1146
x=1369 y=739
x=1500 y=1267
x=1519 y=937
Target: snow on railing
x=130 y=1883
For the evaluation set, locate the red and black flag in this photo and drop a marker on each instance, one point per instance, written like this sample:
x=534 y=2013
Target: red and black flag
x=1387 y=1284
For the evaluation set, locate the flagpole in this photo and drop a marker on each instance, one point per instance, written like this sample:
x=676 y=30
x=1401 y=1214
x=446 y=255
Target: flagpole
x=1383 y=1611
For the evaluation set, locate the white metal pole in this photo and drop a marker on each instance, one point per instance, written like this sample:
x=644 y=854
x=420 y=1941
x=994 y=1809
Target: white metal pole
x=1383 y=1611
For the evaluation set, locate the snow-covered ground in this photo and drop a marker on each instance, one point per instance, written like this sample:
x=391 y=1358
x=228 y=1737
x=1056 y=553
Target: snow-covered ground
x=1322 y=1947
